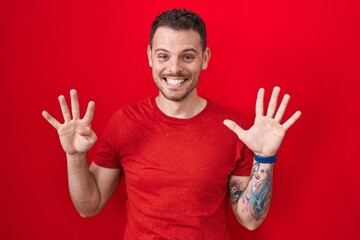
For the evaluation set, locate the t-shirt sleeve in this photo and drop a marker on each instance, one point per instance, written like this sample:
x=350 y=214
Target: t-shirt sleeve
x=244 y=157
x=107 y=155
x=244 y=160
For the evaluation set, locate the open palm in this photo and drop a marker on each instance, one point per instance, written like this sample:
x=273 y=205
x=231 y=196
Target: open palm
x=76 y=135
x=265 y=136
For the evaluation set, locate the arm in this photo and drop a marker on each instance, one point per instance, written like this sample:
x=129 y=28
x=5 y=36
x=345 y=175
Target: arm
x=90 y=188
x=250 y=197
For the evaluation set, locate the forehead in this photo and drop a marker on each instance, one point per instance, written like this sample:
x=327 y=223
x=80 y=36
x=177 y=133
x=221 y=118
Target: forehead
x=173 y=40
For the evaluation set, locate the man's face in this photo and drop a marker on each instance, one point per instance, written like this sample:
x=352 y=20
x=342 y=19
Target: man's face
x=177 y=58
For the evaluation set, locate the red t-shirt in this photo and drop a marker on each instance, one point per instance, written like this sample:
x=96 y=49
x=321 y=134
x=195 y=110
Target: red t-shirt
x=176 y=170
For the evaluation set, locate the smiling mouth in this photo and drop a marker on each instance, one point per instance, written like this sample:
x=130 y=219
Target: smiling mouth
x=174 y=81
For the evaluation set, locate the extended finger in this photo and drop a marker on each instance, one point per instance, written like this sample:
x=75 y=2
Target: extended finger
x=89 y=115
x=235 y=128
x=259 y=107
x=75 y=104
x=51 y=120
x=280 y=112
x=291 y=120
x=64 y=108
x=273 y=102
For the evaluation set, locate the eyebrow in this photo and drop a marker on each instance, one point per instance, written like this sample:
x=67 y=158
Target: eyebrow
x=183 y=51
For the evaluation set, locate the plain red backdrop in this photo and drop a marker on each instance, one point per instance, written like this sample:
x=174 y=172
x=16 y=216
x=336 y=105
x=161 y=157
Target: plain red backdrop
x=309 y=48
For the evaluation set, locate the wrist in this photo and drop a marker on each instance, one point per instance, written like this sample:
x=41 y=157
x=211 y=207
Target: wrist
x=76 y=156
x=264 y=159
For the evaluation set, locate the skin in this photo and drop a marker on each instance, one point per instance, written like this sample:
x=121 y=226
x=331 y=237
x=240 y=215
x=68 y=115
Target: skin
x=264 y=139
x=178 y=55
x=177 y=59
x=90 y=187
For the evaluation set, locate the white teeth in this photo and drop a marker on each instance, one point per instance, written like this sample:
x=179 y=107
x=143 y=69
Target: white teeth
x=174 y=81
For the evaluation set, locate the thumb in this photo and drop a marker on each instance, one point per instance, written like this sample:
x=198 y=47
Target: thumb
x=235 y=128
x=85 y=131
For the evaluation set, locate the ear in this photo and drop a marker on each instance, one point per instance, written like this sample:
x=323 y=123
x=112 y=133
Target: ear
x=206 y=58
x=149 y=55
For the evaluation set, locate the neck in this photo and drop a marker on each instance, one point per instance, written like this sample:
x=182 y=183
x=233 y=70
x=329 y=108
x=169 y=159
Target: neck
x=184 y=109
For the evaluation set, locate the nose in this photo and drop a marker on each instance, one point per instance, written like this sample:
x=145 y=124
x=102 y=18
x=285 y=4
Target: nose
x=175 y=66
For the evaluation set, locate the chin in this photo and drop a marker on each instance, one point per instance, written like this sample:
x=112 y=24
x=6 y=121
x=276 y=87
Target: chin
x=176 y=95
x=175 y=98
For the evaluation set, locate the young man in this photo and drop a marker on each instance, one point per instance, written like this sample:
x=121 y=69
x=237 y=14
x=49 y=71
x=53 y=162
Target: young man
x=177 y=156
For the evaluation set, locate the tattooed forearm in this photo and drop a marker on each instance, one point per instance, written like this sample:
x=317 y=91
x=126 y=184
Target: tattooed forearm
x=256 y=199
x=260 y=195
x=260 y=191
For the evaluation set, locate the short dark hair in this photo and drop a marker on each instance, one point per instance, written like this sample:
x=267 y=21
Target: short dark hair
x=180 y=19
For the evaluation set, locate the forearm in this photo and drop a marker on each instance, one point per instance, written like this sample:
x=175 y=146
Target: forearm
x=254 y=202
x=83 y=189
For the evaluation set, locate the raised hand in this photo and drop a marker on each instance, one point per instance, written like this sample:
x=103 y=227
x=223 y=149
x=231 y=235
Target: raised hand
x=76 y=135
x=265 y=136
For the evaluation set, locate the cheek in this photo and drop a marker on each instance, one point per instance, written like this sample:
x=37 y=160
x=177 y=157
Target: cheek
x=157 y=68
x=194 y=69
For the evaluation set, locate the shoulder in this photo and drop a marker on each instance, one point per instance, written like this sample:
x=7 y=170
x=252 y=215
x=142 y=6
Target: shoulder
x=225 y=112
x=135 y=110
x=129 y=117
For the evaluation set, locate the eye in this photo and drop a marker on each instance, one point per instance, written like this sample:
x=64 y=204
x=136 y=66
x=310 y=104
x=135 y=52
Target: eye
x=163 y=57
x=188 y=58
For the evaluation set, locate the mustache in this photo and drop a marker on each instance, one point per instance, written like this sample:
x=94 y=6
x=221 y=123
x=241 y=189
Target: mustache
x=178 y=74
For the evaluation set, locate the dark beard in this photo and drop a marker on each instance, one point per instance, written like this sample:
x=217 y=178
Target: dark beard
x=175 y=98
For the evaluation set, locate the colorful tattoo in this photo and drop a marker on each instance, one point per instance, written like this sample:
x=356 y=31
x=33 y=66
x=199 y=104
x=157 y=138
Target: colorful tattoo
x=255 y=168
x=256 y=199
x=260 y=191
x=236 y=190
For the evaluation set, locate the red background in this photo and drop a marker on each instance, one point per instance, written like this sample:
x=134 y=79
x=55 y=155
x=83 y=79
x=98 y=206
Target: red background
x=309 y=48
